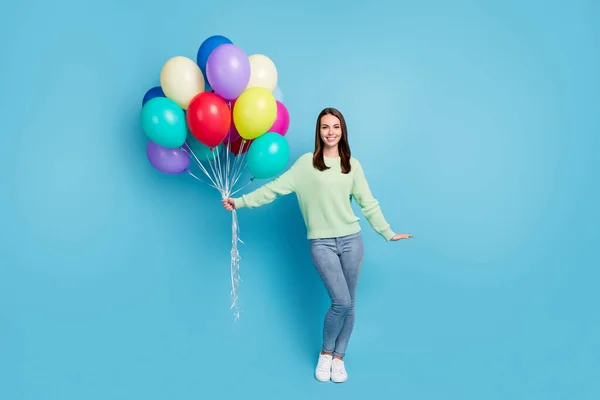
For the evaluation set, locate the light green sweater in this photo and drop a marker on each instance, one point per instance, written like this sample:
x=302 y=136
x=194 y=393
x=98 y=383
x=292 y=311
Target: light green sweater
x=324 y=198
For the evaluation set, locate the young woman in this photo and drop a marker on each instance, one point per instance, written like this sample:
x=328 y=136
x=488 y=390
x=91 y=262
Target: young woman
x=325 y=182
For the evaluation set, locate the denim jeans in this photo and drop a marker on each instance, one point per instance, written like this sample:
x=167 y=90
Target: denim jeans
x=339 y=261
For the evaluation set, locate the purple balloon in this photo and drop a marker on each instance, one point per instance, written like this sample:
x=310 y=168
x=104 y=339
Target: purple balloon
x=170 y=161
x=228 y=71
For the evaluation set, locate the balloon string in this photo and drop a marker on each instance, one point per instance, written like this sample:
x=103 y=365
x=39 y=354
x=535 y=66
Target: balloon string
x=212 y=164
x=227 y=169
x=219 y=172
x=228 y=137
x=237 y=159
x=224 y=174
x=239 y=164
x=239 y=175
x=235 y=265
x=249 y=182
x=190 y=151
x=200 y=180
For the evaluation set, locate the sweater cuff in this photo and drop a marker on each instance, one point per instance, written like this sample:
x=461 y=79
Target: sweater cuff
x=388 y=234
x=239 y=203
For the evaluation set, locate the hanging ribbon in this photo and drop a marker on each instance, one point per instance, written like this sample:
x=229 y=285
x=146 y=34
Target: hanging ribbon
x=224 y=176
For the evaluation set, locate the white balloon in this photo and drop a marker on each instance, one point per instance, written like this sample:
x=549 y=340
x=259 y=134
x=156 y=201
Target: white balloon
x=181 y=80
x=263 y=72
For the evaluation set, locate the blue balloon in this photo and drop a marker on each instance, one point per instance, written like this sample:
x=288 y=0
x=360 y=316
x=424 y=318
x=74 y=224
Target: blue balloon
x=206 y=48
x=268 y=155
x=152 y=93
x=163 y=121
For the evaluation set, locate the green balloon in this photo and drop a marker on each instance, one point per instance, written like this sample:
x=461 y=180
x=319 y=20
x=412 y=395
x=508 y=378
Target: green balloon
x=268 y=155
x=201 y=150
x=164 y=122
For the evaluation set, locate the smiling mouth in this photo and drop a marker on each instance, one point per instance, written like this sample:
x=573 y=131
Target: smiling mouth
x=332 y=139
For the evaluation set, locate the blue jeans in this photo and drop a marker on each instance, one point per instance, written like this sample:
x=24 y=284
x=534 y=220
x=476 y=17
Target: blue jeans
x=339 y=261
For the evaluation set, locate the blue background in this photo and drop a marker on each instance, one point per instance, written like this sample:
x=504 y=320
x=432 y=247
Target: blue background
x=478 y=127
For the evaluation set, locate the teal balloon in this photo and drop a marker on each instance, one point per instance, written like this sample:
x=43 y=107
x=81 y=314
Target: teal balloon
x=268 y=155
x=201 y=150
x=163 y=121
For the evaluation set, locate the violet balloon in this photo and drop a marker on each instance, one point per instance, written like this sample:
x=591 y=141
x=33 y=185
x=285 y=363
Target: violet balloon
x=282 y=121
x=168 y=160
x=228 y=71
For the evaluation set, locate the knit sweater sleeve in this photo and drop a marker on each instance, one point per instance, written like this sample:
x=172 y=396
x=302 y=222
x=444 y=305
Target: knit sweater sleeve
x=368 y=204
x=281 y=186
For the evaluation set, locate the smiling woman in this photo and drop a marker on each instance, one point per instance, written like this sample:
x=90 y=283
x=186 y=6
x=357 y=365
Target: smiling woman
x=323 y=181
x=331 y=140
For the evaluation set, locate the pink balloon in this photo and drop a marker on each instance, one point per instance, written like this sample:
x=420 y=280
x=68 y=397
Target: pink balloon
x=282 y=121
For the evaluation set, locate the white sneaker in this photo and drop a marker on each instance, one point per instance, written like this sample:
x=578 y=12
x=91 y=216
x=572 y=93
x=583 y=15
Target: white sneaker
x=338 y=371
x=323 y=371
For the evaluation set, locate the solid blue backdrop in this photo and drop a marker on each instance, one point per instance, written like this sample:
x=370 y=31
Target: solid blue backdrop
x=478 y=128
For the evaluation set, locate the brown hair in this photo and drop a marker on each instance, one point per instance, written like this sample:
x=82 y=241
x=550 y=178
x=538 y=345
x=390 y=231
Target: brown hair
x=343 y=146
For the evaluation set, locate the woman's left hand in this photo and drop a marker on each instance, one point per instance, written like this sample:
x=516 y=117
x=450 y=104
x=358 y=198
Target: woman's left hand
x=401 y=236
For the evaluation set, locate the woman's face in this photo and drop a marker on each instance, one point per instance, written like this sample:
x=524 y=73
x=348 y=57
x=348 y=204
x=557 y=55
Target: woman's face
x=331 y=130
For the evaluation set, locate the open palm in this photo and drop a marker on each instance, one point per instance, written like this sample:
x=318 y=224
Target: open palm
x=401 y=236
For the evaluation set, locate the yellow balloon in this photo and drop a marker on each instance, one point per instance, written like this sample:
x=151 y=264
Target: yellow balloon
x=254 y=112
x=263 y=72
x=181 y=80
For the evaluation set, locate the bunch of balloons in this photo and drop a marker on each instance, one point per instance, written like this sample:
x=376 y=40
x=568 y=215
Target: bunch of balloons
x=223 y=101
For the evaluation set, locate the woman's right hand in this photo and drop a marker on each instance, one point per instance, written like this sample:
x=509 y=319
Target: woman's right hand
x=229 y=204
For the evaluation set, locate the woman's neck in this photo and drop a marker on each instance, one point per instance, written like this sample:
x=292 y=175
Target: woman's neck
x=331 y=152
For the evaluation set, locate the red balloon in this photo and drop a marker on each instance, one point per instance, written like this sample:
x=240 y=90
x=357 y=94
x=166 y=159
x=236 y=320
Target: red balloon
x=240 y=146
x=208 y=118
